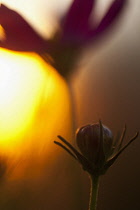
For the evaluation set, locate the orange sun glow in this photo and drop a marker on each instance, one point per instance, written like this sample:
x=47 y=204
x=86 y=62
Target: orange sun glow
x=32 y=97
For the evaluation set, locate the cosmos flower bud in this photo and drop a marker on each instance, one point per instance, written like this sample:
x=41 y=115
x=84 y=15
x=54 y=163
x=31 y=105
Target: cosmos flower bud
x=99 y=150
x=92 y=145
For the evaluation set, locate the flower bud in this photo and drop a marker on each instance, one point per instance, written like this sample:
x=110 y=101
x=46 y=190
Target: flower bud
x=95 y=142
x=99 y=150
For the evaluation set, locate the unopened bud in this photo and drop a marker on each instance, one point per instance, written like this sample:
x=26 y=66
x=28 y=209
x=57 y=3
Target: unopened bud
x=95 y=142
x=98 y=148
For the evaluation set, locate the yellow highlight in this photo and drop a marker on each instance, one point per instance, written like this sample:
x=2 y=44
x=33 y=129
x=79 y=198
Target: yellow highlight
x=2 y=33
x=34 y=104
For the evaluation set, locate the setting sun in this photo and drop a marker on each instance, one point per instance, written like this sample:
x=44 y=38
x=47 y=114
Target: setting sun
x=32 y=95
x=16 y=109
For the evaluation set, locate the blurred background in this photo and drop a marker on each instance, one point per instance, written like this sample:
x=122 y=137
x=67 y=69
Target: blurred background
x=106 y=86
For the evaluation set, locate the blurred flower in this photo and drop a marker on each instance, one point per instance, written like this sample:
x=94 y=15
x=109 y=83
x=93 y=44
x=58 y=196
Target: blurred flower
x=99 y=149
x=75 y=33
x=76 y=26
x=19 y=35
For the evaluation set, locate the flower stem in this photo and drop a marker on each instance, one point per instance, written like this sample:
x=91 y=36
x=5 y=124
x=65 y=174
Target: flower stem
x=94 y=192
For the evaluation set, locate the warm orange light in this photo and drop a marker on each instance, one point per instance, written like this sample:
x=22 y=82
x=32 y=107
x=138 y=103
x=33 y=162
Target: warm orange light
x=2 y=33
x=34 y=103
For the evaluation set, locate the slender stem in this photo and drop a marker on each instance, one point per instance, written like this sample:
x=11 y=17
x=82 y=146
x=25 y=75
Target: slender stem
x=94 y=192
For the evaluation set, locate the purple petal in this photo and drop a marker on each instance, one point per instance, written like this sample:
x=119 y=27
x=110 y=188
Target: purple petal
x=20 y=36
x=108 y=20
x=77 y=18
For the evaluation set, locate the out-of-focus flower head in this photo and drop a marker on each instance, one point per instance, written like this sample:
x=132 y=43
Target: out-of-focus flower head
x=77 y=28
x=75 y=32
x=98 y=148
x=19 y=35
